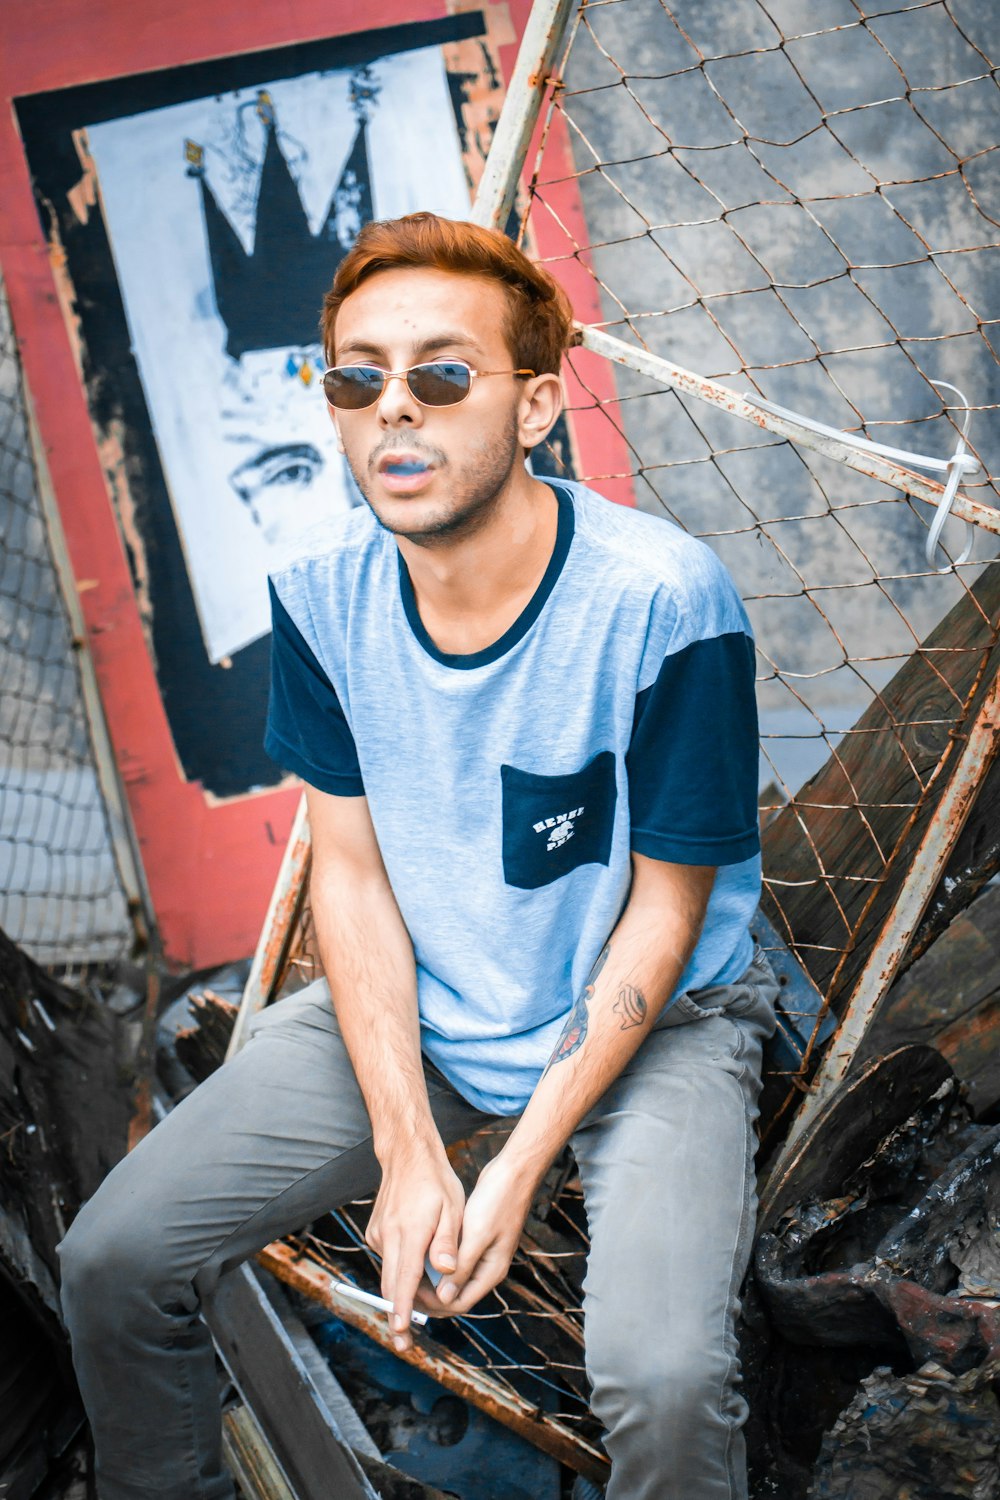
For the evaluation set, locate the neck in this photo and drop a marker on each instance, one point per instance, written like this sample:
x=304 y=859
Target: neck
x=470 y=588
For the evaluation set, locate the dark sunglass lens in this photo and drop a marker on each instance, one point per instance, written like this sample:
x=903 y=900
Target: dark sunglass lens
x=352 y=387
x=440 y=384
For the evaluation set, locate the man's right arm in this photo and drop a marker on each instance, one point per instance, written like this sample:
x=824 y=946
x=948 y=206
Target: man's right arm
x=368 y=960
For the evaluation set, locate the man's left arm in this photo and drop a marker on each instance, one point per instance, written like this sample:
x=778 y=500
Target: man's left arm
x=634 y=976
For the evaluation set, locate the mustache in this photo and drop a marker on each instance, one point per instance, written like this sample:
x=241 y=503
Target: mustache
x=387 y=447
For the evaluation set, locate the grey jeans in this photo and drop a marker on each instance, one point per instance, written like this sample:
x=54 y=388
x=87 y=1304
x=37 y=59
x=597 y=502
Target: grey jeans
x=280 y=1135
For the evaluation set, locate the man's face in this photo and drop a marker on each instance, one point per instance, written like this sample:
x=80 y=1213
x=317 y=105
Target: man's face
x=430 y=473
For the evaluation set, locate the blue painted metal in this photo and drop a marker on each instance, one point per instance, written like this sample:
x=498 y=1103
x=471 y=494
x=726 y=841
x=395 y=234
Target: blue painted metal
x=430 y=1433
x=799 y=1002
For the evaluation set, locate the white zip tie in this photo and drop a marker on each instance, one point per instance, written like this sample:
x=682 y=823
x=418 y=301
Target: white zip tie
x=958 y=464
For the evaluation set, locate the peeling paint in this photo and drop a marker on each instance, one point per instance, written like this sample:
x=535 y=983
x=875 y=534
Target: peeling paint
x=111 y=451
x=83 y=196
x=476 y=78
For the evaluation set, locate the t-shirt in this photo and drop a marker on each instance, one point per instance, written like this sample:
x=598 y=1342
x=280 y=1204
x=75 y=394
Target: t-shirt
x=507 y=787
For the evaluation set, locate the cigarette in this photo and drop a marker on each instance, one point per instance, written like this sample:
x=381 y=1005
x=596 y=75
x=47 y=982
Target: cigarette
x=370 y=1300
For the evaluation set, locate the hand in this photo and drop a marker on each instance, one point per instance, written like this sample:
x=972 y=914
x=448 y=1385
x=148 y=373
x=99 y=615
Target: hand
x=417 y=1214
x=491 y=1228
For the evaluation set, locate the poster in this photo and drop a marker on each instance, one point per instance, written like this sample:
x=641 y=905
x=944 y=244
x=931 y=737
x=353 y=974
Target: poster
x=195 y=216
x=226 y=216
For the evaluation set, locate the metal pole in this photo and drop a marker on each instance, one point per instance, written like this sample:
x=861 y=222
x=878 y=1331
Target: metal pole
x=883 y=962
x=278 y=929
x=699 y=386
x=519 y=115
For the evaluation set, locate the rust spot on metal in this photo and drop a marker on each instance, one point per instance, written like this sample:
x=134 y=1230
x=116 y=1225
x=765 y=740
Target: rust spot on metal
x=282 y=929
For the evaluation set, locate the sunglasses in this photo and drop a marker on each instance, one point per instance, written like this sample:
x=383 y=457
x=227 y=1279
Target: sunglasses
x=443 y=382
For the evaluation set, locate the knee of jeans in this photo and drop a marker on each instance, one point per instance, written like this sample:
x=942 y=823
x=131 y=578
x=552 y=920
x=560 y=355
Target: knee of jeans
x=107 y=1263
x=665 y=1381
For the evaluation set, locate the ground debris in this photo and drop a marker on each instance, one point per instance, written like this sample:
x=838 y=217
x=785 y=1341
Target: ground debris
x=931 y=1435
x=201 y=1047
x=69 y=1082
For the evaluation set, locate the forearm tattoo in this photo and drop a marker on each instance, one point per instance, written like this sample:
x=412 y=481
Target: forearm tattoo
x=574 y=1033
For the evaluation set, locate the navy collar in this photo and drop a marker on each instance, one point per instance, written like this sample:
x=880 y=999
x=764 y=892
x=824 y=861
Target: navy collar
x=527 y=617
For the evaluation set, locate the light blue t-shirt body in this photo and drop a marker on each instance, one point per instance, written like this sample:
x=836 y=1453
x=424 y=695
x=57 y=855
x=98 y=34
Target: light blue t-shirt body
x=508 y=788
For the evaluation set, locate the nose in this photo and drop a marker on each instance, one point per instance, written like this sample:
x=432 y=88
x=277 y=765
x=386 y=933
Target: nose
x=397 y=405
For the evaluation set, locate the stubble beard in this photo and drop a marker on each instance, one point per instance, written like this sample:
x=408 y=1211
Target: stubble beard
x=475 y=492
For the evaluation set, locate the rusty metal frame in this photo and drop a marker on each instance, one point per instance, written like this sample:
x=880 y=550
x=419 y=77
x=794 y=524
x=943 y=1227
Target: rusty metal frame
x=249 y=1459
x=946 y=823
x=531 y=79
x=278 y=930
x=546 y=1432
x=875 y=465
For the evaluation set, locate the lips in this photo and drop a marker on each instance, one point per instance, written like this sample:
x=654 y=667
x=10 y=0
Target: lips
x=405 y=473
x=403 y=464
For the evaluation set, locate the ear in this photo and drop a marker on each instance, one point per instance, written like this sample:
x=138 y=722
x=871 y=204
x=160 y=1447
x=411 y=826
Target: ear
x=539 y=408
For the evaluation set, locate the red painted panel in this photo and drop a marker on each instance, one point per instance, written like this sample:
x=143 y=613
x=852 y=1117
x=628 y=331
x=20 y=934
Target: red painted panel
x=62 y=42
x=210 y=865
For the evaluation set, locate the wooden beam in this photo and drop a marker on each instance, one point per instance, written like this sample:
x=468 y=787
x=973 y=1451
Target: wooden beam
x=828 y=883
x=950 y=1000
x=974 y=861
x=249 y=1459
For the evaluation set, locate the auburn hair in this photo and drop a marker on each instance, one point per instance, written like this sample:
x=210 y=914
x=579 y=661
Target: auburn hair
x=539 y=321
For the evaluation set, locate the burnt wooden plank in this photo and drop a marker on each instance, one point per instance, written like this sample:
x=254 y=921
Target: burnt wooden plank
x=292 y=1442
x=883 y=1094
x=249 y=1459
x=826 y=853
x=950 y=1000
x=66 y=1096
x=275 y=1384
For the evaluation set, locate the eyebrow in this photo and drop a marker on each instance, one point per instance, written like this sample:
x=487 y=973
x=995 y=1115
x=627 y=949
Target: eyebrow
x=447 y=340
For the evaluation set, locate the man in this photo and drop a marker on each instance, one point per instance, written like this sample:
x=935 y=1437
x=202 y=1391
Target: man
x=525 y=719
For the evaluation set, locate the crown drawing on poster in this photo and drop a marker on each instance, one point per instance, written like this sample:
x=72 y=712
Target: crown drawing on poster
x=270 y=297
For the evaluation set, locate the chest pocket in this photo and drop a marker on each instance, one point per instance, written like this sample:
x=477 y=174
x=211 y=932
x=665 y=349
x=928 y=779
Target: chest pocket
x=552 y=824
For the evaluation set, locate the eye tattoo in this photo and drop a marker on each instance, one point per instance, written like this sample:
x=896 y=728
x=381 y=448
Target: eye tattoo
x=631 y=1006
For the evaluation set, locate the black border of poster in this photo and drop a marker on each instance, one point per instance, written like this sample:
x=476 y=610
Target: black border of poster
x=216 y=713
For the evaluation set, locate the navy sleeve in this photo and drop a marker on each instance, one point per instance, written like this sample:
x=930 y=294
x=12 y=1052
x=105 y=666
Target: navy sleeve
x=306 y=729
x=692 y=759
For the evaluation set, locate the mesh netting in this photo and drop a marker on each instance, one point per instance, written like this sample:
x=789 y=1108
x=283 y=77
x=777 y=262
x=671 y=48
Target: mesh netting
x=60 y=894
x=791 y=199
x=795 y=208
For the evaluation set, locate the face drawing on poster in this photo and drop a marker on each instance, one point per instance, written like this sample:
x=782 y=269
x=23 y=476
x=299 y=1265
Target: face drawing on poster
x=227 y=217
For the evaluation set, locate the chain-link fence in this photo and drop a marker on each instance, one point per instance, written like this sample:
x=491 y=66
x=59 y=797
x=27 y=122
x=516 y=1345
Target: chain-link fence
x=798 y=209
x=61 y=894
